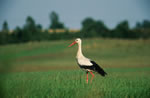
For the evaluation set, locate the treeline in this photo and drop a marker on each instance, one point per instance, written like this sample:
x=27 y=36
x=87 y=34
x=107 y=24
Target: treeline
x=90 y=28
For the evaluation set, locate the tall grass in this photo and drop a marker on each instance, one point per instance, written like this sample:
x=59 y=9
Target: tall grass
x=72 y=84
x=49 y=69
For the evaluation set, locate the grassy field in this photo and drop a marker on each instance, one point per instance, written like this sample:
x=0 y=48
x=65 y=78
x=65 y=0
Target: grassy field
x=49 y=69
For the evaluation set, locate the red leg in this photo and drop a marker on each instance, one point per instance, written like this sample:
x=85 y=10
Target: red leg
x=87 y=78
x=92 y=76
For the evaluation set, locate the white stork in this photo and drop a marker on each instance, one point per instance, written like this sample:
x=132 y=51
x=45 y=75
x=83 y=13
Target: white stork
x=85 y=63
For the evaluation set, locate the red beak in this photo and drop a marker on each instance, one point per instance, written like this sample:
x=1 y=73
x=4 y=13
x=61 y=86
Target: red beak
x=72 y=44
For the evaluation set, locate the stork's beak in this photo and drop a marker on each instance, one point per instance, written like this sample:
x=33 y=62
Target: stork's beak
x=72 y=44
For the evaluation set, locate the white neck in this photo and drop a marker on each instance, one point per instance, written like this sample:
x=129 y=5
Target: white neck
x=79 y=52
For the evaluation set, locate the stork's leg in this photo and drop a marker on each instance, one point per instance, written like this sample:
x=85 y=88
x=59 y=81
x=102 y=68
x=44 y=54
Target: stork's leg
x=92 y=76
x=87 y=77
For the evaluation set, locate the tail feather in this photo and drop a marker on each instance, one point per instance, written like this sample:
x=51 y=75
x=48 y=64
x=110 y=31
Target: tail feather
x=98 y=69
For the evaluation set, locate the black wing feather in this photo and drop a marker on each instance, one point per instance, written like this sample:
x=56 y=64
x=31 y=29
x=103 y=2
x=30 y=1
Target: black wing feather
x=98 y=69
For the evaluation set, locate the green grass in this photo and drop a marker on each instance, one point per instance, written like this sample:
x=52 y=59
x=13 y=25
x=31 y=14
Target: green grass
x=49 y=69
x=106 y=52
x=72 y=84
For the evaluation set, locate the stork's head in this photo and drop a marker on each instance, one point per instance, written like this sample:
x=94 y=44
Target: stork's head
x=77 y=41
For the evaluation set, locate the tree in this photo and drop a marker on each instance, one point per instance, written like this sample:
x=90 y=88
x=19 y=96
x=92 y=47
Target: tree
x=101 y=29
x=17 y=35
x=142 y=29
x=92 y=28
x=122 y=30
x=146 y=24
x=138 y=25
x=39 y=28
x=124 y=25
x=87 y=22
x=31 y=30
x=4 y=36
x=55 y=23
x=5 y=27
x=30 y=24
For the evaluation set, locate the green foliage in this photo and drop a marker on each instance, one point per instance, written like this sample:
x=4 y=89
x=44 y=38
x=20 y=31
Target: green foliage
x=142 y=30
x=30 y=30
x=122 y=30
x=144 y=24
x=5 y=27
x=55 y=24
x=90 y=28
x=5 y=37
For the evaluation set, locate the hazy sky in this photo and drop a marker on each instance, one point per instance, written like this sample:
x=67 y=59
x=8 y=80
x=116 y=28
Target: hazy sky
x=72 y=12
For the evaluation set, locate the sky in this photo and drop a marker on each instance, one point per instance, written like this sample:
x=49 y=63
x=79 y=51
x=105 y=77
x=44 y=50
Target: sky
x=73 y=12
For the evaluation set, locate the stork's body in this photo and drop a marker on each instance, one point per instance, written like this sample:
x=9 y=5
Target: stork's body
x=85 y=63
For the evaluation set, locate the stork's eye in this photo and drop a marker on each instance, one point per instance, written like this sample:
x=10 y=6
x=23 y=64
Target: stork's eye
x=76 y=40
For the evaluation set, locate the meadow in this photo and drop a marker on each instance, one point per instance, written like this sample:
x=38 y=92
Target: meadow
x=48 y=69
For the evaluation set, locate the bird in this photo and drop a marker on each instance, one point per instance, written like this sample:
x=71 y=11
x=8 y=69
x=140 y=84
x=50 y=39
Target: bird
x=85 y=63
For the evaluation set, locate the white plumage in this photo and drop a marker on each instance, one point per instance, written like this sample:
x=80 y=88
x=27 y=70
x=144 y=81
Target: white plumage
x=84 y=61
